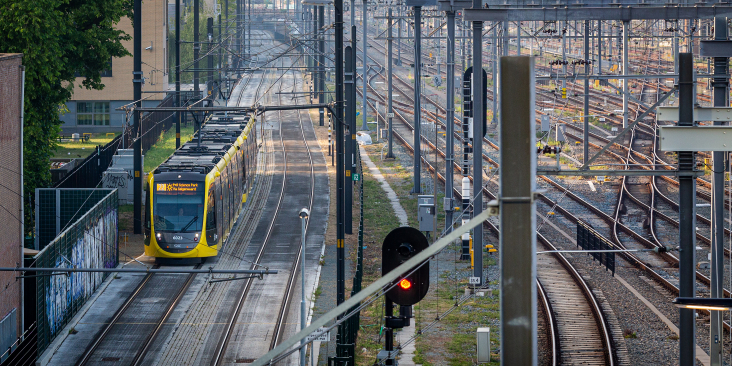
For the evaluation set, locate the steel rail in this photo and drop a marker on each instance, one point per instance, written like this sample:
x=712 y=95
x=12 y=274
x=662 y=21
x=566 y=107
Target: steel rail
x=142 y=352
x=100 y=337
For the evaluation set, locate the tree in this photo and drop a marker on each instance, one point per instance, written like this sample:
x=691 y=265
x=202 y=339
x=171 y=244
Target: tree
x=59 y=40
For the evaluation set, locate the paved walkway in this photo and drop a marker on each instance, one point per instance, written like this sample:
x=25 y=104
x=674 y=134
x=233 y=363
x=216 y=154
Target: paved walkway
x=405 y=358
x=398 y=209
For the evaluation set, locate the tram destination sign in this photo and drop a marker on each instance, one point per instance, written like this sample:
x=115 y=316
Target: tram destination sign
x=176 y=187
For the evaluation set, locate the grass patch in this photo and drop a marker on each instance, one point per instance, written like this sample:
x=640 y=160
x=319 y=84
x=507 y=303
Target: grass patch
x=452 y=340
x=74 y=150
x=165 y=146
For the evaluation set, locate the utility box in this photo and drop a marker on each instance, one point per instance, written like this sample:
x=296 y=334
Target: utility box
x=426 y=212
x=545 y=123
x=483 y=337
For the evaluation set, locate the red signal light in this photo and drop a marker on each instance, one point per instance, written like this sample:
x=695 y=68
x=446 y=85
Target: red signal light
x=405 y=284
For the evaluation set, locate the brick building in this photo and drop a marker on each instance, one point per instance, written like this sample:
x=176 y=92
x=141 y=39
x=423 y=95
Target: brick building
x=11 y=230
x=94 y=110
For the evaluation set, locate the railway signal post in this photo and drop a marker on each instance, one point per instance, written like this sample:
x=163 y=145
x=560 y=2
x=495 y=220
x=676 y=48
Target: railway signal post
x=400 y=245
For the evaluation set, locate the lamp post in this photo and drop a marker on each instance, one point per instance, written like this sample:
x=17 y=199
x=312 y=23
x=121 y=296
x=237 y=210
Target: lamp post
x=304 y=213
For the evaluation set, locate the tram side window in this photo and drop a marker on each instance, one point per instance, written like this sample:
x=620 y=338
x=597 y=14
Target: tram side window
x=211 y=211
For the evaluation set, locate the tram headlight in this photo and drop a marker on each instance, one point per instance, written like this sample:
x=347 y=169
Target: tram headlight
x=195 y=237
x=158 y=236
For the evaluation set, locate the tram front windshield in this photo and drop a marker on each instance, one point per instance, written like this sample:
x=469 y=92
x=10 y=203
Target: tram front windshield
x=178 y=206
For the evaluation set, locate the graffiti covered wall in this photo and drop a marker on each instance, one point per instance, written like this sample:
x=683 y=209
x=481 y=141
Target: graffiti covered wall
x=90 y=242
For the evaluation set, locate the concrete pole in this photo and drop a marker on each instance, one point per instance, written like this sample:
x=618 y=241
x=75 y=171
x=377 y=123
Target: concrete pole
x=478 y=119
x=586 y=132
x=389 y=72
x=518 y=214
x=417 y=98
x=365 y=125
x=449 y=120
x=626 y=67
x=687 y=218
x=721 y=93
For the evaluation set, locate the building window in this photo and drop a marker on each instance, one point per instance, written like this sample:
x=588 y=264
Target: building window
x=92 y=113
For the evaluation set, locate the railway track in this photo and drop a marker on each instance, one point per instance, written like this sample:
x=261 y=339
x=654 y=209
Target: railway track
x=614 y=226
x=578 y=329
x=277 y=251
x=134 y=327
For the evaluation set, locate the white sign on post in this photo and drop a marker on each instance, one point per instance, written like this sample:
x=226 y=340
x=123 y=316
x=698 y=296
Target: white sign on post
x=325 y=337
x=475 y=280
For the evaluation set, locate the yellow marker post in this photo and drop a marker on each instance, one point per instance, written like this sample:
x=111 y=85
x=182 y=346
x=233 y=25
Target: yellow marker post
x=472 y=254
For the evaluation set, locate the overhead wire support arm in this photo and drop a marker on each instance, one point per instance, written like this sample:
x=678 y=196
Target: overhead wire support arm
x=586 y=165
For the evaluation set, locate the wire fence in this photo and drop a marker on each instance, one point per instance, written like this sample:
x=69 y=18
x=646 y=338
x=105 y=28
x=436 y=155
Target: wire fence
x=90 y=242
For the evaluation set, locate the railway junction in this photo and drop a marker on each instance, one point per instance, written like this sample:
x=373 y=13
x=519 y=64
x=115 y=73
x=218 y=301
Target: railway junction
x=354 y=192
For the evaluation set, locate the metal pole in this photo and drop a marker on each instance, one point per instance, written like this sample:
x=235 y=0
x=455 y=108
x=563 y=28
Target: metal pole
x=321 y=63
x=417 y=98
x=340 y=174
x=449 y=120
x=177 y=73
x=238 y=39
x=399 y=32
x=721 y=92
x=219 y=67
x=564 y=53
x=304 y=213
x=626 y=69
x=351 y=144
x=599 y=47
x=388 y=332
x=518 y=38
x=365 y=125
x=586 y=132
x=390 y=65
x=518 y=213
x=209 y=82
x=196 y=49
x=137 y=131
x=478 y=119
x=315 y=73
x=687 y=218
x=494 y=72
